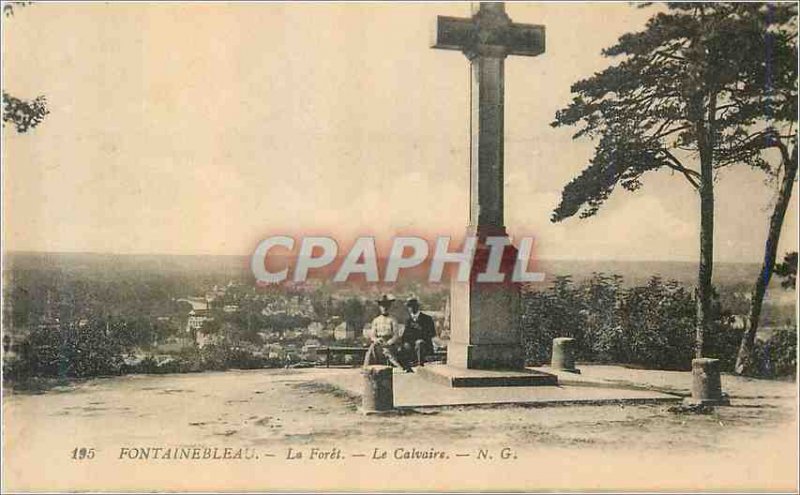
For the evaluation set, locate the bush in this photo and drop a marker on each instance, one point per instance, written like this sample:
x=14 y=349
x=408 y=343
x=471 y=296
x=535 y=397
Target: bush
x=651 y=325
x=72 y=351
x=98 y=349
x=777 y=356
x=557 y=312
x=218 y=356
x=602 y=336
x=783 y=351
x=162 y=365
x=223 y=355
x=658 y=326
x=723 y=342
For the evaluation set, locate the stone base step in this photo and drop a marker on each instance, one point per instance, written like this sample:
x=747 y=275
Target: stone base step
x=460 y=377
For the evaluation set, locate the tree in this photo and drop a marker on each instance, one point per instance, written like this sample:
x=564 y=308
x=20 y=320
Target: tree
x=787 y=270
x=702 y=87
x=8 y=7
x=98 y=348
x=789 y=167
x=22 y=114
x=353 y=312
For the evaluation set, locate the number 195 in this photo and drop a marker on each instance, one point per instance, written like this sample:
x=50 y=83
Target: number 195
x=82 y=453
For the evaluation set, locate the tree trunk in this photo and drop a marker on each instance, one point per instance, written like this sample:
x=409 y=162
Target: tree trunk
x=705 y=146
x=706 y=264
x=744 y=362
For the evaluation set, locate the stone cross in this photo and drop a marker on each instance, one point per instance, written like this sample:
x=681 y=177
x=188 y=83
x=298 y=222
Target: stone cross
x=486 y=39
x=484 y=321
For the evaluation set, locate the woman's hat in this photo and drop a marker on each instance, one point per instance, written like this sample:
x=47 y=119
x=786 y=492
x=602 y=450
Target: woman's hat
x=385 y=299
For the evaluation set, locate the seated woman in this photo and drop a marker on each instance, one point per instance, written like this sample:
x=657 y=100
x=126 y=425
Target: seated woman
x=385 y=337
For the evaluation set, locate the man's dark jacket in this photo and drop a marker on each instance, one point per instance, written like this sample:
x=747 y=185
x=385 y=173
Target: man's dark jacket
x=422 y=329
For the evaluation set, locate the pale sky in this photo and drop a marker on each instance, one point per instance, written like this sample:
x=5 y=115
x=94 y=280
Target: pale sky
x=204 y=128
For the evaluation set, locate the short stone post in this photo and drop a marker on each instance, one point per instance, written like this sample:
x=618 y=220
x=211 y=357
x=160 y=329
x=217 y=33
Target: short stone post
x=563 y=357
x=378 y=393
x=706 y=384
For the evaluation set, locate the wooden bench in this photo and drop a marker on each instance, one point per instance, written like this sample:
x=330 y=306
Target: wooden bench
x=358 y=354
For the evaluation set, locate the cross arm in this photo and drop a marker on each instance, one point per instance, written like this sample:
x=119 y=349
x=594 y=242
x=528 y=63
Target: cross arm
x=456 y=33
x=525 y=39
x=453 y=33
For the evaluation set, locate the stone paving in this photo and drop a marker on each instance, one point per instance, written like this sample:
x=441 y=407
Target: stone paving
x=412 y=390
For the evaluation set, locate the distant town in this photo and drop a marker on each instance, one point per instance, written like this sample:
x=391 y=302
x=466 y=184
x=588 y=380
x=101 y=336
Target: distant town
x=290 y=325
x=163 y=312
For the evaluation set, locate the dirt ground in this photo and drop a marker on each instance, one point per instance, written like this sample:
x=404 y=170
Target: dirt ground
x=271 y=416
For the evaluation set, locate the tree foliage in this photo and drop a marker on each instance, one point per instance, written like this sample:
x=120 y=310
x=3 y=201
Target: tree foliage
x=776 y=356
x=96 y=349
x=9 y=7
x=715 y=77
x=787 y=270
x=22 y=114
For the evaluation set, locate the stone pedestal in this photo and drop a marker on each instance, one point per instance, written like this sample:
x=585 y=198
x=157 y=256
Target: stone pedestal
x=485 y=348
x=378 y=393
x=706 y=384
x=563 y=356
x=485 y=317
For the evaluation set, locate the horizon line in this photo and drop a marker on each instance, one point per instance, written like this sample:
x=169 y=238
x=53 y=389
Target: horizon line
x=198 y=255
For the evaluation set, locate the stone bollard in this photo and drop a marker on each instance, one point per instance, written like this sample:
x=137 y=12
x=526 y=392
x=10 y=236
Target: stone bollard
x=706 y=385
x=563 y=358
x=378 y=393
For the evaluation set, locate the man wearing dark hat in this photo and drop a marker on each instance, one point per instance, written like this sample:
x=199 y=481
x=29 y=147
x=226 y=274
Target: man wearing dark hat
x=417 y=338
x=385 y=337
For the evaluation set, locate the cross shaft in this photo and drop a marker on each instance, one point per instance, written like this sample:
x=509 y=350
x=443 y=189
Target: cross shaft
x=486 y=39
